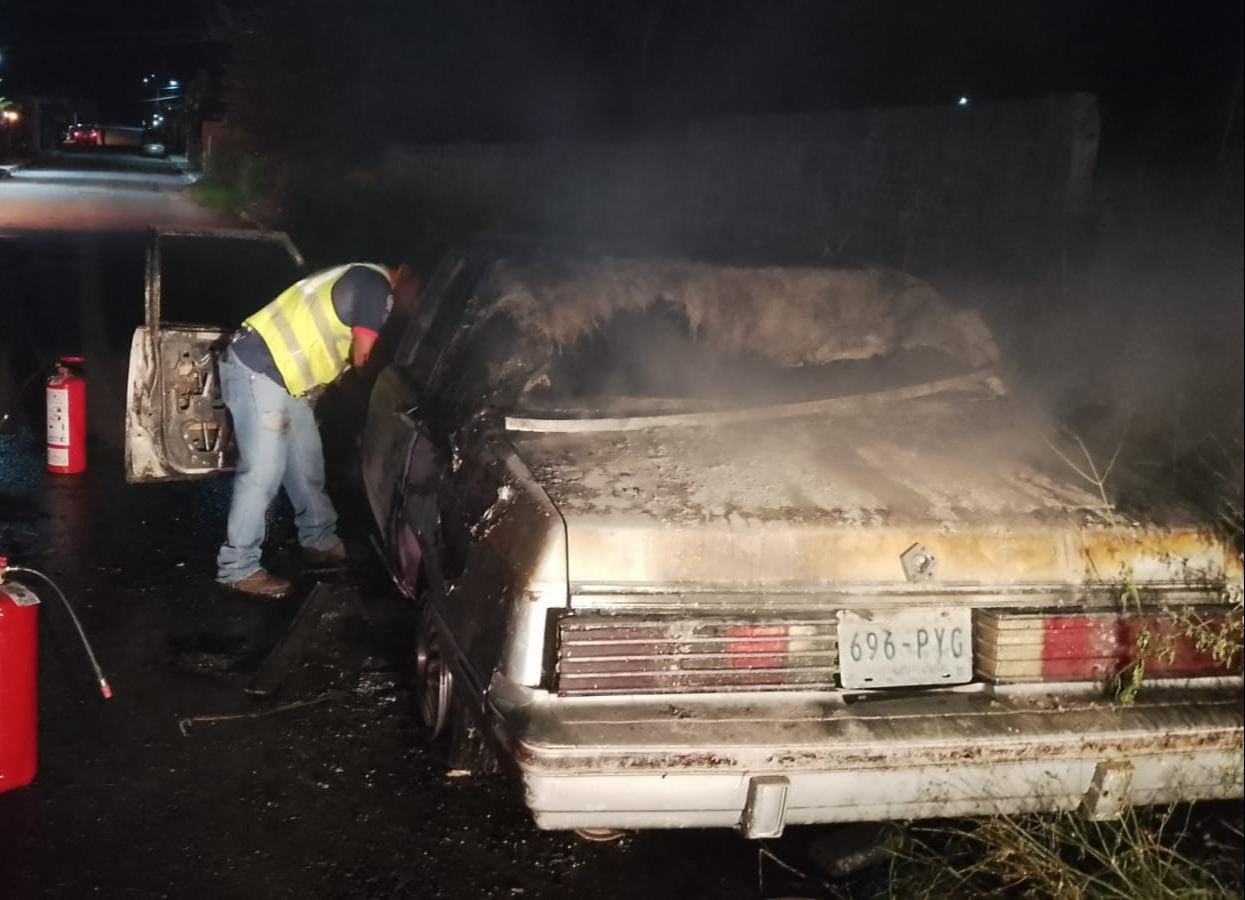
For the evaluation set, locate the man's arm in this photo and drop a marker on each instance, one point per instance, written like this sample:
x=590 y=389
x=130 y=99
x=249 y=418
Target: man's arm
x=364 y=339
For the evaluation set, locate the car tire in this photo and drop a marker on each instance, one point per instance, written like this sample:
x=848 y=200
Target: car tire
x=434 y=682
x=455 y=736
x=600 y=835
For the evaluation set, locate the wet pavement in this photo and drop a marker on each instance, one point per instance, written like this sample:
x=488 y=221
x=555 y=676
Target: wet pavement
x=95 y=194
x=148 y=795
x=183 y=784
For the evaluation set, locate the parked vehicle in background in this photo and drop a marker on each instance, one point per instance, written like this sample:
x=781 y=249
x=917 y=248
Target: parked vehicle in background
x=153 y=145
x=114 y=136
x=700 y=545
x=83 y=136
x=122 y=136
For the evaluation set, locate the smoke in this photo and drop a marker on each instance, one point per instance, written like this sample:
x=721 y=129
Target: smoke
x=791 y=315
x=613 y=327
x=1134 y=337
x=1131 y=337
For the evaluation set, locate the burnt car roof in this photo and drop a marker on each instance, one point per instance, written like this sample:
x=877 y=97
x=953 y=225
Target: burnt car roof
x=793 y=315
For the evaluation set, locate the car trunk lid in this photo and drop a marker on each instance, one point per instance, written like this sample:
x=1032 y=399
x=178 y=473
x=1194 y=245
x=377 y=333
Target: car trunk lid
x=834 y=503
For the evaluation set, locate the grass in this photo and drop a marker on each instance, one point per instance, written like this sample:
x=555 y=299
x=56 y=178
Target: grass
x=218 y=195
x=1090 y=471
x=1189 y=852
x=1219 y=636
x=1169 y=853
x=1222 y=639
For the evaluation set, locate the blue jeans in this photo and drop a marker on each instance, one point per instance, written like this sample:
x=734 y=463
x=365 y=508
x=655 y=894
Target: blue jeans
x=278 y=446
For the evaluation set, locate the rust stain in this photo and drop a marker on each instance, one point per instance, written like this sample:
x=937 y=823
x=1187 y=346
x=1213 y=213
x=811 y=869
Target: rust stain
x=986 y=752
x=1188 y=555
x=980 y=732
x=761 y=553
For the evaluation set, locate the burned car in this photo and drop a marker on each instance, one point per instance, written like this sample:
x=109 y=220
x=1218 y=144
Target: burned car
x=748 y=547
x=743 y=546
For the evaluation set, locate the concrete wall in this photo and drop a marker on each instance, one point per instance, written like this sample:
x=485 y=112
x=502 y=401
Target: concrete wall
x=920 y=189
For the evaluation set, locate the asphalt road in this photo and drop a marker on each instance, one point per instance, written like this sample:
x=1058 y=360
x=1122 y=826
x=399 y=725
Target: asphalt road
x=339 y=798
x=81 y=193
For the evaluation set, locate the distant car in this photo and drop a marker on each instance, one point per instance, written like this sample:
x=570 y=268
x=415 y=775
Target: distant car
x=699 y=545
x=120 y=137
x=84 y=136
x=154 y=147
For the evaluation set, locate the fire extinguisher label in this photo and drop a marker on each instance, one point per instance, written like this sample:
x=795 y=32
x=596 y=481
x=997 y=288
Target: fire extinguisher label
x=20 y=595
x=58 y=419
x=58 y=456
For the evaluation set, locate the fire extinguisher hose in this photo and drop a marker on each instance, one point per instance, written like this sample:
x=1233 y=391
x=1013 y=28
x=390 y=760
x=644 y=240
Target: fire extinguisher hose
x=104 y=688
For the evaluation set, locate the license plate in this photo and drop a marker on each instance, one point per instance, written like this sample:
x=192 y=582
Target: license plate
x=894 y=647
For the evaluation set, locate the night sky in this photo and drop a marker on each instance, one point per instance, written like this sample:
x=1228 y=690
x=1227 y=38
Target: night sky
x=592 y=68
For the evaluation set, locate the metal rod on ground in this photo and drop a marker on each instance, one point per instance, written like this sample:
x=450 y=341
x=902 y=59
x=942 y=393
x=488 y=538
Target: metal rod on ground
x=185 y=724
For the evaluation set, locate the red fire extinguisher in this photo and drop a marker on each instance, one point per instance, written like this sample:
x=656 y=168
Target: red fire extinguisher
x=67 y=417
x=19 y=653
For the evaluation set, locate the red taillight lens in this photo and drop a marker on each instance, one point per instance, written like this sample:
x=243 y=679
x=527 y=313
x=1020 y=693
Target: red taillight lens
x=757 y=646
x=1034 y=646
x=614 y=654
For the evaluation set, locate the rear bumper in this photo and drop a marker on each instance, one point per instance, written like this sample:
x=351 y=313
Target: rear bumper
x=759 y=763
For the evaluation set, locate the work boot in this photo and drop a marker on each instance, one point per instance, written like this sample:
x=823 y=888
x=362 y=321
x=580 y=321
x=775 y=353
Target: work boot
x=330 y=556
x=261 y=584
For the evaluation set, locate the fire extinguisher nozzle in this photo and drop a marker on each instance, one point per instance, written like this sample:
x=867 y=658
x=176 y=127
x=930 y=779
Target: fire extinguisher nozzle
x=100 y=678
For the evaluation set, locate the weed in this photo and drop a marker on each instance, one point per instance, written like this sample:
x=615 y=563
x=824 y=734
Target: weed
x=1090 y=471
x=1219 y=635
x=1126 y=684
x=217 y=195
x=1144 y=854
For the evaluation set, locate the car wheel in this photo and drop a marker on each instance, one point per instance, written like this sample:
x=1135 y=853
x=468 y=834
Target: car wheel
x=600 y=835
x=433 y=679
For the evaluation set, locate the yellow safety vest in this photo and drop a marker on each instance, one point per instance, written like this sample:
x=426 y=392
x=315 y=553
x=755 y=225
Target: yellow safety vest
x=308 y=342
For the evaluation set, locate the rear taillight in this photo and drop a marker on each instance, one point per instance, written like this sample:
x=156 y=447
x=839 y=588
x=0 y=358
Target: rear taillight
x=1033 y=646
x=615 y=654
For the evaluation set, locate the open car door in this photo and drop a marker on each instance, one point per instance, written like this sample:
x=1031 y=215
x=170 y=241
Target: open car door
x=201 y=283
